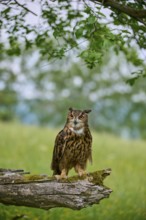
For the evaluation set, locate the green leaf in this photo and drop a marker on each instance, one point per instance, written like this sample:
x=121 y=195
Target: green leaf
x=79 y=32
x=91 y=19
x=131 y=81
x=6 y=11
x=138 y=73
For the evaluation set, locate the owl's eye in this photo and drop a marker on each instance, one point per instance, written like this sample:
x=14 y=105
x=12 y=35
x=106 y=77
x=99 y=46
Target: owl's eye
x=81 y=116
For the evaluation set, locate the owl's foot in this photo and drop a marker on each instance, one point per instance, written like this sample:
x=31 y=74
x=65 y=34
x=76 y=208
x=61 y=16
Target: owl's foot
x=62 y=175
x=80 y=170
x=59 y=177
x=82 y=173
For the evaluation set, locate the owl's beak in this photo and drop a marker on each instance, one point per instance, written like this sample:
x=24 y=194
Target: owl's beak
x=75 y=122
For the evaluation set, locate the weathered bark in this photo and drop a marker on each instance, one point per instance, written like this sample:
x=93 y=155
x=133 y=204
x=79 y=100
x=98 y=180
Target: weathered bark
x=138 y=14
x=41 y=191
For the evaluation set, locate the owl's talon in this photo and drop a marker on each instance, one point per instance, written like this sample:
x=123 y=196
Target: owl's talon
x=82 y=174
x=59 y=177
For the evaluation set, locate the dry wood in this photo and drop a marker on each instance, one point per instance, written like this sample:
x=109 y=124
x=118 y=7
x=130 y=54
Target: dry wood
x=40 y=191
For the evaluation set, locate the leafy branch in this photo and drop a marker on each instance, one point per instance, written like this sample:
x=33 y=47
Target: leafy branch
x=63 y=28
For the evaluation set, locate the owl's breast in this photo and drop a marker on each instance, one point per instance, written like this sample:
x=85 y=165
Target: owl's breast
x=77 y=149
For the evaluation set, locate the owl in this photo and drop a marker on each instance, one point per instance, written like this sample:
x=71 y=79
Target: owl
x=73 y=145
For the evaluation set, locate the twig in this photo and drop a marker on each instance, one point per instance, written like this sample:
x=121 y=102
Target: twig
x=25 y=8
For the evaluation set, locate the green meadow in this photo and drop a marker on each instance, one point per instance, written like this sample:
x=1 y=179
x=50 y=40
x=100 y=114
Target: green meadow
x=30 y=148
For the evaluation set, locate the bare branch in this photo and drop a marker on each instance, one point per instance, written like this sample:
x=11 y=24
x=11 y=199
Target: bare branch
x=25 y=8
x=138 y=14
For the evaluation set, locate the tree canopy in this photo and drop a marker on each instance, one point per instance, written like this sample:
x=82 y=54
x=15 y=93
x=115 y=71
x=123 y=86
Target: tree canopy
x=89 y=28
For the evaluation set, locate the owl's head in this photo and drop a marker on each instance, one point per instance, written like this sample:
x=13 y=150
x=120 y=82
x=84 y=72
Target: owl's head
x=77 y=119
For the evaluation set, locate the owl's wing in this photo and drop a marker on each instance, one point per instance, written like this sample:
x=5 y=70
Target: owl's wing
x=90 y=152
x=89 y=146
x=58 y=152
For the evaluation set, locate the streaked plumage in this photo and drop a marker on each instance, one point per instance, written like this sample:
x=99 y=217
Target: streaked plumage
x=73 y=145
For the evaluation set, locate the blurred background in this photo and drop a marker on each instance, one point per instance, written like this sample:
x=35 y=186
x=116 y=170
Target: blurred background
x=33 y=91
x=80 y=54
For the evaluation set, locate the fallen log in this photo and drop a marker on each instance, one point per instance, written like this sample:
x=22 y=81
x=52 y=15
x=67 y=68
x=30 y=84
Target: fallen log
x=40 y=191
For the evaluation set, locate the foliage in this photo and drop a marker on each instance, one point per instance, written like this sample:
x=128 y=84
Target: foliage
x=31 y=148
x=89 y=27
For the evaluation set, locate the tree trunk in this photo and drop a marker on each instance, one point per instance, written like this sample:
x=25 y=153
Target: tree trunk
x=40 y=191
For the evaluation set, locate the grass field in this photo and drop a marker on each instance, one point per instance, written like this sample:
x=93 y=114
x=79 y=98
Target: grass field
x=31 y=148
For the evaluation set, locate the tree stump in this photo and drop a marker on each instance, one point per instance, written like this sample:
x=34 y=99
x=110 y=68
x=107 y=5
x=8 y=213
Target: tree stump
x=40 y=191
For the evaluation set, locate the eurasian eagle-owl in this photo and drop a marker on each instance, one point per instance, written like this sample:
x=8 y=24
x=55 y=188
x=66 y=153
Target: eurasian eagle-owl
x=73 y=145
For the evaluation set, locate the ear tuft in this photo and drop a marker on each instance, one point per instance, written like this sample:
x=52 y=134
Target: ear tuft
x=70 y=109
x=87 y=111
